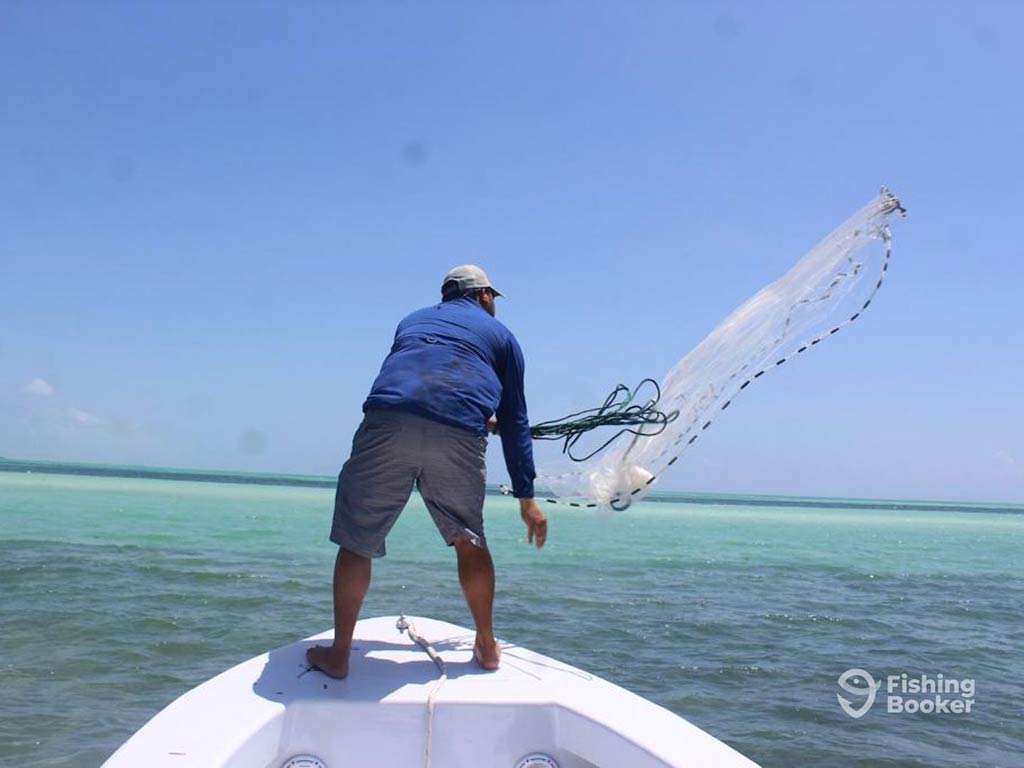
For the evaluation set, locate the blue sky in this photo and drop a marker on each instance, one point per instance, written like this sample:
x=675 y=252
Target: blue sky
x=213 y=215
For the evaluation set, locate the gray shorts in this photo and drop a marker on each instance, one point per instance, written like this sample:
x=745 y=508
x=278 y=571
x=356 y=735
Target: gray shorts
x=391 y=452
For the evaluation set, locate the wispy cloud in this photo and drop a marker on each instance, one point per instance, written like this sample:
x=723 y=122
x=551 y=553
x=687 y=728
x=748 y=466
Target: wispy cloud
x=85 y=419
x=1005 y=458
x=39 y=387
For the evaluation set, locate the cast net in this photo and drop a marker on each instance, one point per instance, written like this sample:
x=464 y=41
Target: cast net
x=824 y=291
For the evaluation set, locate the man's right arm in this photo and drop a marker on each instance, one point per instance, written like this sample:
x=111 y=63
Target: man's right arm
x=517 y=443
x=514 y=424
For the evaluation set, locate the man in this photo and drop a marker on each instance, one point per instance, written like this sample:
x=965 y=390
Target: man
x=453 y=373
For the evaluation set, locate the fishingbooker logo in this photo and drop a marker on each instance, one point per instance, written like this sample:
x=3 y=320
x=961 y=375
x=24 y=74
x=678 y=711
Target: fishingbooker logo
x=926 y=694
x=850 y=681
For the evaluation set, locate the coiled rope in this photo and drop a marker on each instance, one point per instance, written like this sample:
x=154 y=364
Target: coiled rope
x=617 y=410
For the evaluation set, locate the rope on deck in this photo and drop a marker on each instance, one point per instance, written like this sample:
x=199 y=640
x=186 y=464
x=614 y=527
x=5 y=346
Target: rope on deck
x=404 y=625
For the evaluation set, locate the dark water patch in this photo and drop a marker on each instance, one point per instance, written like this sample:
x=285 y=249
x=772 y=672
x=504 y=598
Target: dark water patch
x=790 y=502
x=662 y=497
x=158 y=473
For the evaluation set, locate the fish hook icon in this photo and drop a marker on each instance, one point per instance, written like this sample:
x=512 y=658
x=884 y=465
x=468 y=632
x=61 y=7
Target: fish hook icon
x=848 y=682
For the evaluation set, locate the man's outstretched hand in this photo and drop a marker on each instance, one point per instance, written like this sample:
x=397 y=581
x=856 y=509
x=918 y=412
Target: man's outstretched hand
x=536 y=522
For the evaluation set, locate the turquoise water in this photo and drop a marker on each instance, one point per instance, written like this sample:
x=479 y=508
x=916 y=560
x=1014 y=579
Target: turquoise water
x=737 y=613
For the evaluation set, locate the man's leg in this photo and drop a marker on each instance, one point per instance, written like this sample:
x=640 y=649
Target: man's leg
x=476 y=574
x=351 y=580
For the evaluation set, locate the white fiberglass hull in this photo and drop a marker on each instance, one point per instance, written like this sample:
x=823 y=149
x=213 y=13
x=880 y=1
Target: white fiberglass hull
x=396 y=709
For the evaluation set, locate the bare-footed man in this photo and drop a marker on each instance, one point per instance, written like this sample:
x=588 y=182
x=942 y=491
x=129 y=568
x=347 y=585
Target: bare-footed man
x=454 y=373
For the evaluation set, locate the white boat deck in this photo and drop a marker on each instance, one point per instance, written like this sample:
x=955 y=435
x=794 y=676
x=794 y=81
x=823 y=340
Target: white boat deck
x=395 y=709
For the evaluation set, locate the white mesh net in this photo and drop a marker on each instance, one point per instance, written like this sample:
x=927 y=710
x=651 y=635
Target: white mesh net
x=824 y=291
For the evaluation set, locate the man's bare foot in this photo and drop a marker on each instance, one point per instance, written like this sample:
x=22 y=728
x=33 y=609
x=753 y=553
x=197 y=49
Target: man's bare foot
x=328 y=660
x=487 y=654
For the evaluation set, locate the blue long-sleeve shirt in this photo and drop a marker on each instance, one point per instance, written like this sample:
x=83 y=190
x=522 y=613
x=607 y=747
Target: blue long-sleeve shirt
x=456 y=364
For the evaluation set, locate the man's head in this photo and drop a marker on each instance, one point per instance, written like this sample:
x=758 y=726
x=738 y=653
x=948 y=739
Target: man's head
x=469 y=280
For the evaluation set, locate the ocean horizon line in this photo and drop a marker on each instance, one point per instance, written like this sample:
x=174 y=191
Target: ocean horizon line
x=87 y=469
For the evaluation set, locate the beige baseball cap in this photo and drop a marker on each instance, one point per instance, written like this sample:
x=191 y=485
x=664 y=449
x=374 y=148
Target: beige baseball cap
x=468 y=277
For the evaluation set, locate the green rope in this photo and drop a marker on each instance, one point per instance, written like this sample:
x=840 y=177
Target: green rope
x=641 y=420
